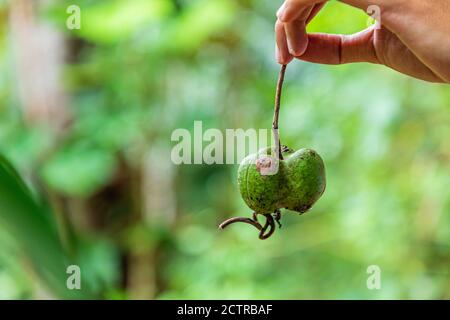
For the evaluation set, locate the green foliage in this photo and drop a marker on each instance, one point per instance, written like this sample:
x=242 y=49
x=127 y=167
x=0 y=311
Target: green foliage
x=79 y=171
x=33 y=229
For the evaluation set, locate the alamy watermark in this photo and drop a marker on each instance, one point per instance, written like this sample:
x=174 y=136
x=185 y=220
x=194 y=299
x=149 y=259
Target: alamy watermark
x=374 y=13
x=374 y=279
x=73 y=281
x=73 y=21
x=231 y=146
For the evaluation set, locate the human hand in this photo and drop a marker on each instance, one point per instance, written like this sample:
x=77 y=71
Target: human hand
x=413 y=38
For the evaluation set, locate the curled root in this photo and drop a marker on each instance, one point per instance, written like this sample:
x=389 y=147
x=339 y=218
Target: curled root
x=263 y=235
x=265 y=231
x=226 y=223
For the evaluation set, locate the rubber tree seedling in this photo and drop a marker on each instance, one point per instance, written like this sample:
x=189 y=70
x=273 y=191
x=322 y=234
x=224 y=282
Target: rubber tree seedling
x=278 y=178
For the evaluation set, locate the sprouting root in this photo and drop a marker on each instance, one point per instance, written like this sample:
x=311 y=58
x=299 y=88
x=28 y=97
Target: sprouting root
x=265 y=231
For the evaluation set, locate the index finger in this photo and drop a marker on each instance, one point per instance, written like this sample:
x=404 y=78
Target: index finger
x=291 y=9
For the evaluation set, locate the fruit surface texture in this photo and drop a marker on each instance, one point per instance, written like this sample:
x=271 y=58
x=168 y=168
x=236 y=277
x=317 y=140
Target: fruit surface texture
x=295 y=183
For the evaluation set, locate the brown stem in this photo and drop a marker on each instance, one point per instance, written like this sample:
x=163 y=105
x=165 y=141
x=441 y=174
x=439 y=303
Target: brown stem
x=226 y=223
x=263 y=235
x=277 y=111
x=269 y=223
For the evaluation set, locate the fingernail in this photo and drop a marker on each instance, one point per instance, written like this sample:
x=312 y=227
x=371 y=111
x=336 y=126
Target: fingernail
x=277 y=54
x=290 y=47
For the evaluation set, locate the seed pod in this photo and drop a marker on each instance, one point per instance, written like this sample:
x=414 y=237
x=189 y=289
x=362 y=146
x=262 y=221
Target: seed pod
x=296 y=182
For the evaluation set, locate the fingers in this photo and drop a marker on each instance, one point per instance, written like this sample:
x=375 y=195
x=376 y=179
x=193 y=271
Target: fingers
x=291 y=9
x=297 y=40
x=293 y=41
x=370 y=45
x=291 y=37
x=315 y=11
x=340 y=49
x=281 y=50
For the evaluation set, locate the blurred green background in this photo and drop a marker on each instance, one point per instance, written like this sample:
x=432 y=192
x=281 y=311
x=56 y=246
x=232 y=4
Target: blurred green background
x=86 y=118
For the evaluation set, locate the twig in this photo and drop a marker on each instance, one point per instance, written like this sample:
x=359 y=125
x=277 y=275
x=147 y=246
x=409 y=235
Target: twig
x=277 y=111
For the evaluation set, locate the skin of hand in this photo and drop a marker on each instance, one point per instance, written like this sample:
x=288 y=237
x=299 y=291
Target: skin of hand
x=412 y=38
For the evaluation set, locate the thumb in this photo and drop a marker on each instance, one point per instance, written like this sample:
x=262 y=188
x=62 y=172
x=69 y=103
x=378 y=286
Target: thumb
x=339 y=49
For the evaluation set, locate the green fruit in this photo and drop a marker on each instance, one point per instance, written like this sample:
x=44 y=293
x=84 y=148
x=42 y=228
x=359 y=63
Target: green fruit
x=296 y=185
